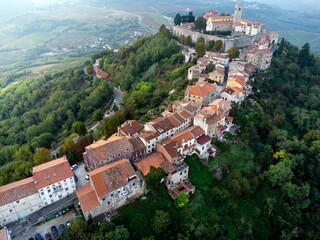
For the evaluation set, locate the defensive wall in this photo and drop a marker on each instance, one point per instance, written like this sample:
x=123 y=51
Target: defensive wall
x=227 y=42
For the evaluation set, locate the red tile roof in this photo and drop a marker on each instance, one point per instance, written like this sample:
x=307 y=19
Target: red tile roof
x=201 y=90
x=17 y=190
x=111 y=176
x=102 y=74
x=87 y=198
x=147 y=136
x=51 y=172
x=203 y=139
x=153 y=160
x=131 y=127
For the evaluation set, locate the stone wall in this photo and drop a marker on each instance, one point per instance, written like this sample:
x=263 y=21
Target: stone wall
x=228 y=42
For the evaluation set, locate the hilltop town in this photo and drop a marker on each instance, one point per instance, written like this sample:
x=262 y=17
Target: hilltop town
x=117 y=165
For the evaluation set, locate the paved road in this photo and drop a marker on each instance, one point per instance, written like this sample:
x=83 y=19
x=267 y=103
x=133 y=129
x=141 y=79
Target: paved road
x=81 y=173
x=23 y=226
x=45 y=227
x=118 y=95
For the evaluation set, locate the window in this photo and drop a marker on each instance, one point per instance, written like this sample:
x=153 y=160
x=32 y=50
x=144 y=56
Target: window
x=10 y=210
x=103 y=199
x=17 y=201
x=42 y=193
x=66 y=189
x=108 y=203
x=111 y=195
x=65 y=180
x=133 y=184
x=49 y=190
x=50 y=196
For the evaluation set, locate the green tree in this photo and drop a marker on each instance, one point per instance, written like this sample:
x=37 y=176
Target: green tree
x=280 y=173
x=177 y=19
x=218 y=45
x=42 y=155
x=24 y=153
x=305 y=58
x=119 y=233
x=76 y=230
x=161 y=221
x=200 y=49
x=233 y=52
x=79 y=128
x=89 y=69
x=183 y=39
x=98 y=115
x=163 y=29
x=182 y=199
x=210 y=68
x=201 y=40
x=70 y=150
x=189 y=41
x=210 y=46
x=200 y=24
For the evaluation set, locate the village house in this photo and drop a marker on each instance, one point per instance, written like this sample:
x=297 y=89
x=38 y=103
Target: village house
x=217 y=75
x=54 y=180
x=116 y=147
x=110 y=187
x=237 y=81
x=130 y=128
x=101 y=74
x=175 y=148
x=214 y=119
x=190 y=107
x=150 y=140
x=218 y=58
x=195 y=71
x=50 y=182
x=202 y=93
x=233 y=94
x=261 y=58
x=176 y=179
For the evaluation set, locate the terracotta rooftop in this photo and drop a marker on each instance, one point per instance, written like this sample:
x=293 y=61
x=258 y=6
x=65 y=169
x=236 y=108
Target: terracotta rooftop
x=87 y=198
x=103 y=149
x=3 y=234
x=137 y=144
x=184 y=114
x=170 y=146
x=51 y=172
x=102 y=74
x=237 y=79
x=111 y=176
x=203 y=139
x=201 y=90
x=233 y=90
x=17 y=190
x=147 y=136
x=154 y=159
x=162 y=125
x=131 y=127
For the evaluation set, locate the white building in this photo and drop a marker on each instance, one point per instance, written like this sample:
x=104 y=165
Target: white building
x=54 y=180
x=50 y=182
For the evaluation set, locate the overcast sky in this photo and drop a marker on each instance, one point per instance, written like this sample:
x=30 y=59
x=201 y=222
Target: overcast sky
x=302 y=5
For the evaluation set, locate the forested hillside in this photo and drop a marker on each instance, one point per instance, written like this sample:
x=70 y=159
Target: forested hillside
x=264 y=184
x=41 y=113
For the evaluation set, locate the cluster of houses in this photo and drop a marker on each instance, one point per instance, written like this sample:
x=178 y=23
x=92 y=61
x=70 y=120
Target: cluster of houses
x=117 y=165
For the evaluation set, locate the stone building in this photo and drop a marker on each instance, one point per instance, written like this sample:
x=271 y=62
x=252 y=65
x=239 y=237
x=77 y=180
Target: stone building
x=110 y=187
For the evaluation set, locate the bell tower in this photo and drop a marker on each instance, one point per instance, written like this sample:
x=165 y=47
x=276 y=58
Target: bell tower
x=237 y=13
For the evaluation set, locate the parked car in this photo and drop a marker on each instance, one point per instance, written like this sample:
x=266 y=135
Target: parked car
x=61 y=228
x=75 y=177
x=68 y=223
x=87 y=177
x=38 y=237
x=54 y=232
x=73 y=167
x=48 y=236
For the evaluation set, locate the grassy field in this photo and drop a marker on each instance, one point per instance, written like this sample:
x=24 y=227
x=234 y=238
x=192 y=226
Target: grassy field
x=61 y=33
